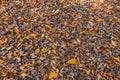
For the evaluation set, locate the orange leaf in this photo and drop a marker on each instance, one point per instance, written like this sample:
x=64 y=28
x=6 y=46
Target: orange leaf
x=99 y=20
x=16 y=30
x=33 y=35
x=2 y=62
x=33 y=3
x=72 y=61
x=52 y=74
x=1 y=42
x=25 y=65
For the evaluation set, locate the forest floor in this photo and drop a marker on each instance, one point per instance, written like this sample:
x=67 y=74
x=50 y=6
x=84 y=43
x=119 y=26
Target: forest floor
x=60 y=40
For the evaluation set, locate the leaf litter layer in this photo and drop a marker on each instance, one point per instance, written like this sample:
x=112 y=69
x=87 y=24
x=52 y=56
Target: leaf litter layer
x=60 y=40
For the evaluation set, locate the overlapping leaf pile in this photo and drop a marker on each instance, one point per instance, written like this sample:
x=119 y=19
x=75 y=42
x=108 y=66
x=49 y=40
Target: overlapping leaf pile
x=60 y=39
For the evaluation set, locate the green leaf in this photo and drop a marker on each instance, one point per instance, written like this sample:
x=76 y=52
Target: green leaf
x=89 y=45
x=95 y=38
x=44 y=50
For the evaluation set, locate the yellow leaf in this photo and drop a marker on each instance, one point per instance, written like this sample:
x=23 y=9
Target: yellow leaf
x=52 y=74
x=21 y=39
x=37 y=51
x=72 y=61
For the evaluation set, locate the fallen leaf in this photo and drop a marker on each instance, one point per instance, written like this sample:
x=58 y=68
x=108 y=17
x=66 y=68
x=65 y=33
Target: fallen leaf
x=23 y=75
x=72 y=61
x=16 y=30
x=2 y=62
x=1 y=42
x=99 y=20
x=53 y=46
x=25 y=65
x=114 y=43
x=33 y=3
x=52 y=74
x=117 y=59
x=88 y=71
x=54 y=51
x=48 y=26
x=37 y=51
x=33 y=35
x=44 y=50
